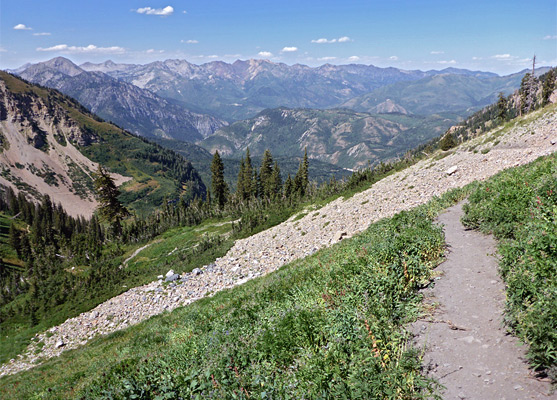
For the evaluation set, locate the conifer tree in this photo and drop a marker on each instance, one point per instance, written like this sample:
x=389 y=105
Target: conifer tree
x=502 y=107
x=248 y=182
x=240 y=182
x=276 y=181
x=288 y=187
x=305 y=170
x=218 y=185
x=548 y=86
x=265 y=173
x=109 y=207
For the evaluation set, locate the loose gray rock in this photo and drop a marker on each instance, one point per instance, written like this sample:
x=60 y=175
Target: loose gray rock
x=172 y=278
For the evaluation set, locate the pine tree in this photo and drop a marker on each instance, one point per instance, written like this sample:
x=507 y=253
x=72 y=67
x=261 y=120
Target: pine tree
x=265 y=173
x=218 y=185
x=109 y=207
x=276 y=181
x=240 y=182
x=249 y=178
x=548 y=86
x=301 y=180
x=305 y=170
x=288 y=187
x=502 y=107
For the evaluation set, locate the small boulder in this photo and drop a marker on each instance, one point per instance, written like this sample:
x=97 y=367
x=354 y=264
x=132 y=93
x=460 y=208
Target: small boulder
x=172 y=278
x=197 y=271
x=170 y=273
x=339 y=235
x=452 y=170
x=160 y=277
x=59 y=343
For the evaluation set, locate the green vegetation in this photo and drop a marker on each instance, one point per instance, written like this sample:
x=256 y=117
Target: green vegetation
x=328 y=326
x=519 y=207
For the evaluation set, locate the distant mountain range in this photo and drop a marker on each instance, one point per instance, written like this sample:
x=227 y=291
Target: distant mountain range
x=242 y=89
x=50 y=144
x=277 y=106
x=138 y=110
x=446 y=92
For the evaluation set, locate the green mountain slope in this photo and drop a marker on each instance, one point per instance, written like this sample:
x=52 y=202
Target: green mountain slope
x=339 y=136
x=52 y=145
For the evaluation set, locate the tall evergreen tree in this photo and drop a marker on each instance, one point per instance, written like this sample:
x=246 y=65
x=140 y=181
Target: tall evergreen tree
x=110 y=208
x=240 y=182
x=548 y=86
x=265 y=173
x=502 y=107
x=249 y=182
x=288 y=187
x=218 y=185
x=276 y=181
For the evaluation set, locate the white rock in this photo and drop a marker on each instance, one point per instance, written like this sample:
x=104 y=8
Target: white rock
x=59 y=343
x=452 y=170
x=170 y=273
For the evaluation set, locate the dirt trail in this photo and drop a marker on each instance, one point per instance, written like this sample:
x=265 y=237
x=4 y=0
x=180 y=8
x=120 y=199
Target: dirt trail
x=466 y=345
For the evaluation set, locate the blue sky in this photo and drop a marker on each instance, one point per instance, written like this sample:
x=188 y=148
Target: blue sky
x=498 y=36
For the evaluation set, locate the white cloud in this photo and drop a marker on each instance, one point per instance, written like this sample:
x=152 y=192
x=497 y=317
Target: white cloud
x=190 y=41
x=353 y=58
x=394 y=58
x=343 y=39
x=41 y=34
x=184 y=12
x=266 y=54
x=22 y=27
x=327 y=58
x=550 y=37
x=91 y=49
x=213 y=56
x=289 y=49
x=450 y=62
x=163 y=12
x=503 y=57
x=3 y=50
x=437 y=52
x=477 y=58
x=323 y=40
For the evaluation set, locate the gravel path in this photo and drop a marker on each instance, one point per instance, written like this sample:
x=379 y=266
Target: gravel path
x=293 y=239
x=466 y=345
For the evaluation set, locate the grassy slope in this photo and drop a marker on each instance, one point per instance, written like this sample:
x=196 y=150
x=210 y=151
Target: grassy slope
x=142 y=269
x=327 y=325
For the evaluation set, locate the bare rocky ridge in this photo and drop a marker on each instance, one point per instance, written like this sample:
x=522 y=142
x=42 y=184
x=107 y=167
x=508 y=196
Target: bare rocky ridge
x=267 y=251
x=33 y=159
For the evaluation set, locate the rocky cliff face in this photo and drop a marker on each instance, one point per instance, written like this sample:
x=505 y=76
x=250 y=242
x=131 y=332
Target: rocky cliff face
x=39 y=154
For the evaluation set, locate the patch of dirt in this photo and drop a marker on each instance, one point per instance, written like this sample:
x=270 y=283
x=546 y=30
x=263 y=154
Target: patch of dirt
x=466 y=346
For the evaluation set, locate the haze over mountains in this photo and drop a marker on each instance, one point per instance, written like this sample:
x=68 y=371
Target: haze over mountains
x=181 y=101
